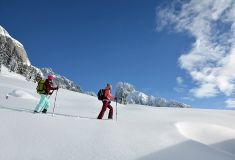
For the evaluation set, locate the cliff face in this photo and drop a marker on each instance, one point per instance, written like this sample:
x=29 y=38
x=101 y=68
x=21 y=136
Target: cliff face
x=12 y=51
x=15 y=58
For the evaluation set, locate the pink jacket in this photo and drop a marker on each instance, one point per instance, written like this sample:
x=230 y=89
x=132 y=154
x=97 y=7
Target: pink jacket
x=107 y=94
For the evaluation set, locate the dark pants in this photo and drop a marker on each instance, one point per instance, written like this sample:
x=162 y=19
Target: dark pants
x=106 y=104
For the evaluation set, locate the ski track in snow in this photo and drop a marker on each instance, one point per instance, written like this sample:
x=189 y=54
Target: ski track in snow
x=140 y=133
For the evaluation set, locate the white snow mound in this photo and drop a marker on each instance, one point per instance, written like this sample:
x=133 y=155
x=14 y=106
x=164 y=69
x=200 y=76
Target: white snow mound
x=21 y=94
x=210 y=134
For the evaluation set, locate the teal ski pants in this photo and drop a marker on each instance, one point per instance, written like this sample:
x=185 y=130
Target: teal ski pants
x=43 y=103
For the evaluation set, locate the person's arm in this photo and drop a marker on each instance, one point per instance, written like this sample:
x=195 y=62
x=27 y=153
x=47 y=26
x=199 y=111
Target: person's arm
x=52 y=86
x=49 y=86
x=108 y=95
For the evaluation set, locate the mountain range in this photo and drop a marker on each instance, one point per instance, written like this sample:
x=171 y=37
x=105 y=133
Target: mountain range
x=15 y=58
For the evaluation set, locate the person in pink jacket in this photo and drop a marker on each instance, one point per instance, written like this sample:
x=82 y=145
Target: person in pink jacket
x=106 y=103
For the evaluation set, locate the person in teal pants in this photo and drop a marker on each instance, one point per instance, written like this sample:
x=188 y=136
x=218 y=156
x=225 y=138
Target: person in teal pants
x=44 y=102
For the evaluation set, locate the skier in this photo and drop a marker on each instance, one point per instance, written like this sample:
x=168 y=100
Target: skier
x=106 y=102
x=44 y=102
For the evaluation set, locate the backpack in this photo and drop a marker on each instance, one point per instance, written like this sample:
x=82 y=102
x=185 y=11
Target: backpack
x=41 y=88
x=101 y=95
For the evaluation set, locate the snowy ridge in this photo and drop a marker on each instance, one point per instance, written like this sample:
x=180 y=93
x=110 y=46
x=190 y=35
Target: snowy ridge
x=128 y=94
x=4 y=33
x=61 y=81
x=12 y=48
x=91 y=93
x=14 y=57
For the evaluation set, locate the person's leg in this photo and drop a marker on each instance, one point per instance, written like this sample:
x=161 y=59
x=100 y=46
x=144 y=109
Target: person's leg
x=105 y=103
x=46 y=106
x=110 y=111
x=41 y=104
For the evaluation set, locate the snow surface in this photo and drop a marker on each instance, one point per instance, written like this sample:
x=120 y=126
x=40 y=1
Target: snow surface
x=7 y=73
x=140 y=133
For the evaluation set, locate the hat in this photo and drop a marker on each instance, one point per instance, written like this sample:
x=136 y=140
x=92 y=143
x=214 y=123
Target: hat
x=50 y=77
x=109 y=85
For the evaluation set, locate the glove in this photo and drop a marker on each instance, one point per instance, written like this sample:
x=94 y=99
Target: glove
x=57 y=88
x=115 y=98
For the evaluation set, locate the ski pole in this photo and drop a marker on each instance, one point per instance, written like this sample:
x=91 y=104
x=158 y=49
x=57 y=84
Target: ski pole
x=54 y=102
x=116 y=109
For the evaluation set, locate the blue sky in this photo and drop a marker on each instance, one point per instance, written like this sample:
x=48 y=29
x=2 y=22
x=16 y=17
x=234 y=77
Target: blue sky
x=143 y=42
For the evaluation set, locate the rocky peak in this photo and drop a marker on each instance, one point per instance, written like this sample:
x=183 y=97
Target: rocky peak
x=12 y=49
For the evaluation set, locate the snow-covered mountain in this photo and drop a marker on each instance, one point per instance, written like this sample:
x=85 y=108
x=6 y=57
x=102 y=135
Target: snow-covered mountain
x=128 y=94
x=15 y=58
x=61 y=81
x=91 y=93
x=11 y=49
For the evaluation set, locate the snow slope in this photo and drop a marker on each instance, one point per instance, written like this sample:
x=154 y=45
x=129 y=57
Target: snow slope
x=141 y=133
